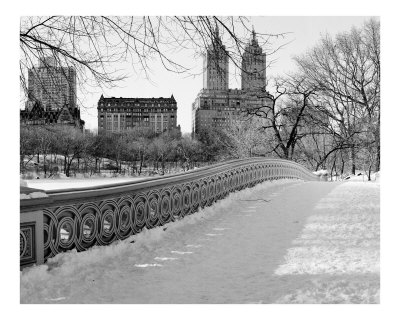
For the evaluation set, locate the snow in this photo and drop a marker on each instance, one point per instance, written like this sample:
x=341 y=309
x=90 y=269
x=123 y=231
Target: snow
x=362 y=176
x=306 y=242
x=50 y=184
x=148 y=265
x=321 y=172
x=33 y=195
x=23 y=183
x=338 y=241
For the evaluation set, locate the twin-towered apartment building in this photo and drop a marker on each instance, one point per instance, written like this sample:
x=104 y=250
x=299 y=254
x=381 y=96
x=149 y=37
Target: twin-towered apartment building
x=215 y=106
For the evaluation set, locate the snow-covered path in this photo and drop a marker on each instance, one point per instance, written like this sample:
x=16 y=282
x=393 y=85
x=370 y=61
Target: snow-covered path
x=280 y=242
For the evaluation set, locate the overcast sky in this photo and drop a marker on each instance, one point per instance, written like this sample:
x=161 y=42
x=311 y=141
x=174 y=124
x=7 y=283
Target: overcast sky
x=304 y=34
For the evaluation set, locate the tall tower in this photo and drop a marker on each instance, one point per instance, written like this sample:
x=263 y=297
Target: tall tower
x=253 y=66
x=52 y=85
x=216 y=65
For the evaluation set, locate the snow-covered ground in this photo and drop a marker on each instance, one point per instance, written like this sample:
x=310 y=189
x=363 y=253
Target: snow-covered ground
x=279 y=242
x=359 y=176
x=53 y=184
x=336 y=256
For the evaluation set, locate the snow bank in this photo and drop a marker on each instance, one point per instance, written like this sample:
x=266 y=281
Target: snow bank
x=50 y=184
x=33 y=195
x=322 y=172
x=362 y=176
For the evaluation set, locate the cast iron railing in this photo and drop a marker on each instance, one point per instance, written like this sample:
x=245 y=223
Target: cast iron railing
x=81 y=218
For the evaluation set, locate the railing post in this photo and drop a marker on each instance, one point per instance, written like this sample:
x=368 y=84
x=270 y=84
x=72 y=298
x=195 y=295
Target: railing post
x=31 y=226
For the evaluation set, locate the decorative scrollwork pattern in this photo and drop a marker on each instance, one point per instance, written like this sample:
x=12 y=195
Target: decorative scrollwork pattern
x=27 y=253
x=86 y=224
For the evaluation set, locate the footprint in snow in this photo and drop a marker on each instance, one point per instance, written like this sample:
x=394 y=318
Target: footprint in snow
x=56 y=299
x=165 y=258
x=182 y=252
x=145 y=265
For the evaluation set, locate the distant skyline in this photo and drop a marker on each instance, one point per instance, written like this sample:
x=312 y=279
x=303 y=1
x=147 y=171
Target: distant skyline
x=304 y=33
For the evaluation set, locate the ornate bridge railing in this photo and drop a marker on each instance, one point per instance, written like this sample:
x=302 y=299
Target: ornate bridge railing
x=60 y=220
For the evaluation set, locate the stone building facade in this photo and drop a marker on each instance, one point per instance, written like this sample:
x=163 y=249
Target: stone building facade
x=216 y=105
x=123 y=114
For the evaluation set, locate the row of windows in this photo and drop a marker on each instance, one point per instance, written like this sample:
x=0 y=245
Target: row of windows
x=145 y=105
x=137 y=112
x=156 y=127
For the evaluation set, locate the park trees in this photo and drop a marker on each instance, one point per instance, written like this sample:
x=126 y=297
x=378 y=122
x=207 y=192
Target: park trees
x=138 y=140
x=246 y=137
x=26 y=146
x=346 y=71
x=284 y=114
x=71 y=144
x=215 y=144
x=189 y=150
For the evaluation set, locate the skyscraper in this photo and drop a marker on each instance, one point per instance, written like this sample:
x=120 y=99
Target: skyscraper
x=51 y=85
x=216 y=105
x=216 y=65
x=253 y=66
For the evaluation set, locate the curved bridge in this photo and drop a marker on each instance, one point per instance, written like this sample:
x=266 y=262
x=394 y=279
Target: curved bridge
x=60 y=220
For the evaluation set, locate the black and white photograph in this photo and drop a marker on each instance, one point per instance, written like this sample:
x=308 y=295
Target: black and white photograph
x=198 y=157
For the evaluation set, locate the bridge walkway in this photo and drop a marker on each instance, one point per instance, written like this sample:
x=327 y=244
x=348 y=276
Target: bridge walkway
x=279 y=242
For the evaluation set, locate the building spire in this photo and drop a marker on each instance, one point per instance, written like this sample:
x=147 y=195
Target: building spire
x=254 y=40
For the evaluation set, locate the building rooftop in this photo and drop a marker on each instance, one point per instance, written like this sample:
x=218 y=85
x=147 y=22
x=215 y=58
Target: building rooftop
x=170 y=99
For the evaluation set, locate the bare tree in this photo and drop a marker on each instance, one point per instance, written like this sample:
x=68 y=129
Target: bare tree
x=285 y=113
x=346 y=71
x=71 y=144
x=247 y=137
x=27 y=146
x=92 y=44
x=189 y=150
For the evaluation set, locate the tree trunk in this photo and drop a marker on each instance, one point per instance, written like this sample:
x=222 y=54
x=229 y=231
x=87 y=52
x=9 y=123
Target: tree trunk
x=65 y=165
x=333 y=166
x=67 y=168
x=342 y=168
x=44 y=165
x=378 y=156
x=378 y=146
x=369 y=172
x=141 y=164
x=353 y=160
